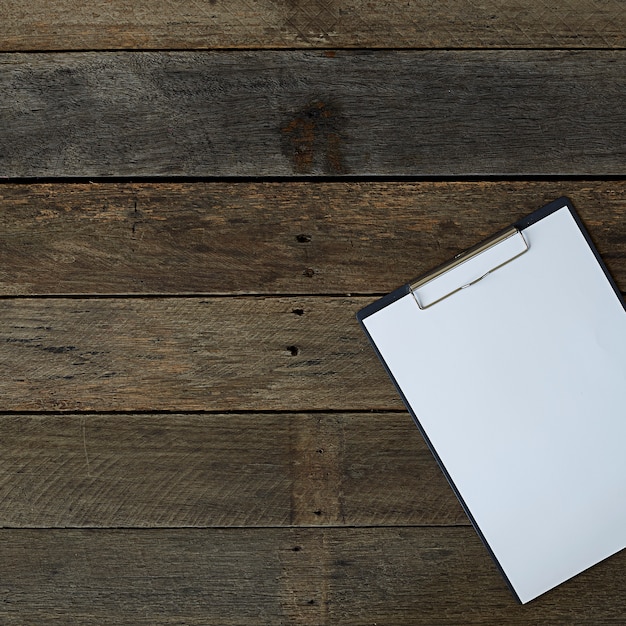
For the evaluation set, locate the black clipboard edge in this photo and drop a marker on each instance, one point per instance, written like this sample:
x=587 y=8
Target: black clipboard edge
x=381 y=303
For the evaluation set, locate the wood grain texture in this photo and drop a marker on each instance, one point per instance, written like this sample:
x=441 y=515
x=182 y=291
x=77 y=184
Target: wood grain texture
x=217 y=354
x=152 y=471
x=278 y=497
x=117 y=24
x=306 y=113
x=392 y=577
x=269 y=238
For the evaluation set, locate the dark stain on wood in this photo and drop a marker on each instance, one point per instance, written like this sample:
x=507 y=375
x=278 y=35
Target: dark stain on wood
x=59 y=349
x=313 y=137
x=366 y=113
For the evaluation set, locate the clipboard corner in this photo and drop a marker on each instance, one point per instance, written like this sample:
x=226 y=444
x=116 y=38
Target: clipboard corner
x=544 y=211
x=381 y=303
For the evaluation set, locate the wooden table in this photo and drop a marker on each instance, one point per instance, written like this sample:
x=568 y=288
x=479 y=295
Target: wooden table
x=197 y=198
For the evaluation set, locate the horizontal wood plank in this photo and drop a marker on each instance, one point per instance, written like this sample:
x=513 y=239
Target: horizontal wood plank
x=126 y=471
x=282 y=576
x=294 y=354
x=254 y=113
x=269 y=238
x=102 y=24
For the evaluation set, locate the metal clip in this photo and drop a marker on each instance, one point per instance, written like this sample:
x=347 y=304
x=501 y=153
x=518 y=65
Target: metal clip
x=460 y=266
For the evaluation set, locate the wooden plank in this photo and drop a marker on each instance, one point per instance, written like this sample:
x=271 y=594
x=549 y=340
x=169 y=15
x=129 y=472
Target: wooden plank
x=179 y=354
x=306 y=113
x=269 y=238
x=69 y=25
x=126 y=471
x=282 y=576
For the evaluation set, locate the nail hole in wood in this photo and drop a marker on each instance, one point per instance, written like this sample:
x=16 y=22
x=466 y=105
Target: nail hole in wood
x=298 y=311
x=309 y=272
x=302 y=238
x=294 y=350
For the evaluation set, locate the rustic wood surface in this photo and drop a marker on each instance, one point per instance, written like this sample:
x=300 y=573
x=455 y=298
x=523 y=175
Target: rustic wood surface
x=252 y=469
x=216 y=354
x=110 y=24
x=313 y=238
x=383 y=576
x=193 y=429
x=289 y=113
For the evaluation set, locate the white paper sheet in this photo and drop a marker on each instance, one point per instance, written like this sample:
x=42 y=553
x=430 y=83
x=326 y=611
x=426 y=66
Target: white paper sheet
x=518 y=382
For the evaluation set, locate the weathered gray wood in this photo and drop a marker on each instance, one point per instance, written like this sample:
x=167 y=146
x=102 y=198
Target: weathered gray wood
x=265 y=113
x=282 y=576
x=285 y=113
x=102 y=24
x=273 y=238
x=294 y=354
x=219 y=470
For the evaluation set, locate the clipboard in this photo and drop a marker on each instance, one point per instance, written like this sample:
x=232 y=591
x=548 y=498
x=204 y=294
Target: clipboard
x=511 y=359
